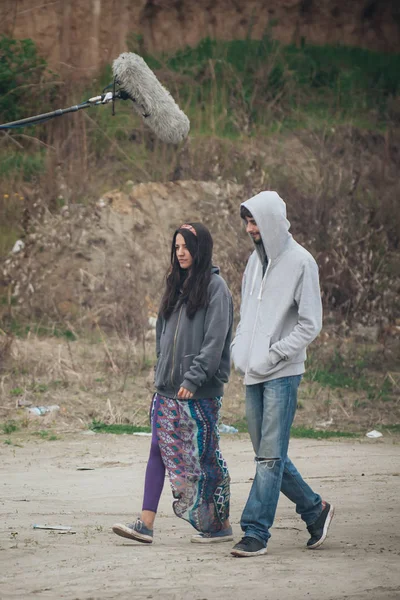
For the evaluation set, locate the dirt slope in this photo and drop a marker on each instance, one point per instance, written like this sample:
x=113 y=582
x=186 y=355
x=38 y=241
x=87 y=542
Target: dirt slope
x=106 y=263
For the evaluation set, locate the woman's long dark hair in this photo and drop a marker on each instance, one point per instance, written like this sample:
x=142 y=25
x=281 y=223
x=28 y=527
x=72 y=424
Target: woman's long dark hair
x=189 y=286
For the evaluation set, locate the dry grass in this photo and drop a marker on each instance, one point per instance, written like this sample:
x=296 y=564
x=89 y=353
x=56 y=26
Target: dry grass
x=105 y=379
x=108 y=379
x=6 y=342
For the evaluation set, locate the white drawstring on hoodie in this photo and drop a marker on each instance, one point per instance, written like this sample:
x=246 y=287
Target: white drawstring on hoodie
x=254 y=279
x=262 y=286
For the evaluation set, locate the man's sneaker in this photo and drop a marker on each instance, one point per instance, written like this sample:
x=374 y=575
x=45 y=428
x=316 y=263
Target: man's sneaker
x=319 y=529
x=225 y=535
x=136 y=531
x=249 y=546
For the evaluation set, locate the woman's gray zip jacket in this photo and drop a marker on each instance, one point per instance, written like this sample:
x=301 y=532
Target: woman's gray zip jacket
x=195 y=353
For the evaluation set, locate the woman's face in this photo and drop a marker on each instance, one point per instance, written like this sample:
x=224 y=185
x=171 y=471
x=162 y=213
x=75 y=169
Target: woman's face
x=182 y=253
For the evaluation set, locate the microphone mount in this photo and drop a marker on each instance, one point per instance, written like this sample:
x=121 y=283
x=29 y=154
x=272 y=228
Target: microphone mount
x=104 y=98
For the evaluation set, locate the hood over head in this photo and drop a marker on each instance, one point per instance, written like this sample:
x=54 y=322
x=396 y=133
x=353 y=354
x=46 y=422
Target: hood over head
x=269 y=212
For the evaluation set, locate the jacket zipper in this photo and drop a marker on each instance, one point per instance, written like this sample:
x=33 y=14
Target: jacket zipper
x=173 y=349
x=255 y=322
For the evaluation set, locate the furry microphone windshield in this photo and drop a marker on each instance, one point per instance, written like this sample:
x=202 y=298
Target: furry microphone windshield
x=150 y=99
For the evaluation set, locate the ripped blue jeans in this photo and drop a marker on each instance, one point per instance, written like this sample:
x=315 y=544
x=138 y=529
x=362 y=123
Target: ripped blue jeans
x=270 y=410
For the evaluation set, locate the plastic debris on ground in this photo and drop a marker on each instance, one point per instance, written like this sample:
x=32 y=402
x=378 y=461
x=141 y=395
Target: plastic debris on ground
x=63 y=528
x=18 y=246
x=39 y=411
x=227 y=429
x=374 y=434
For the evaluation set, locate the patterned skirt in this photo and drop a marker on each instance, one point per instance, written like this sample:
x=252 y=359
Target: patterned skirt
x=188 y=438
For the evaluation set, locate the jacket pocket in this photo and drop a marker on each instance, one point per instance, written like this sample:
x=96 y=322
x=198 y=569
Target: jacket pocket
x=270 y=365
x=262 y=360
x=161 y=373
x=239 y=357
x=185 y=365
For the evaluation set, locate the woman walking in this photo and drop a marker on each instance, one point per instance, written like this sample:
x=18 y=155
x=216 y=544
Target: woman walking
x=193 y=336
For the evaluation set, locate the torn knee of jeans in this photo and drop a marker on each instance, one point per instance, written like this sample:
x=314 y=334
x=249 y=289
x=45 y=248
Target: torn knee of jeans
x=268 y=463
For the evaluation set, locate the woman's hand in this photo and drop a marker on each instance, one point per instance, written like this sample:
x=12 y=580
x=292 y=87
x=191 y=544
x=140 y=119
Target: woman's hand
x=184 y=394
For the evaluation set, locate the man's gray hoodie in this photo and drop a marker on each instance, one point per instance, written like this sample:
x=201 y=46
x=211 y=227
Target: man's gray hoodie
x=195 y=353
x=281 y=312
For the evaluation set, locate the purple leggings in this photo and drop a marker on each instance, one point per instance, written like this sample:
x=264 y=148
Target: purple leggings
x=155 y=471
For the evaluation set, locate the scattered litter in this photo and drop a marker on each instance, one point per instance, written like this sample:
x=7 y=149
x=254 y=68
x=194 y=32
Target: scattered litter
x=22 y=402
x=374 y=434
x=324 y=424
x=227 y=429
x=89 y=432
x=39 y=411
x=141 y=433
x=18 y=246
x=64 y=528
x=85 y=468
x=153 y=322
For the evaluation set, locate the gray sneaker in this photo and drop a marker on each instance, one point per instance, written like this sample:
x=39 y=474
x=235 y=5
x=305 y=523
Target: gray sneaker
x=319 y=530
x=136 y=531
x=225 y=535
x=249 y=546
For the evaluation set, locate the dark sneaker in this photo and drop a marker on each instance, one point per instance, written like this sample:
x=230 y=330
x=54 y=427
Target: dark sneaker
x=136 y=531
x=249 y=546
x=225 y=535
x=319 y=529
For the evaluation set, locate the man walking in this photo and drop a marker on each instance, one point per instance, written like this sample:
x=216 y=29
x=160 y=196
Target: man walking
x=280 y=315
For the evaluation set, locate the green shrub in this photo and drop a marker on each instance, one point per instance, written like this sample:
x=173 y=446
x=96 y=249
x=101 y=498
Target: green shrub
x=336 y=80
x=9 y=426
x=23 y=79
x=21 y=165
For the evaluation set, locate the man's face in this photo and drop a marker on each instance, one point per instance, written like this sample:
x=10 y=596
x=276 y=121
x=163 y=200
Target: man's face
x=252 y=229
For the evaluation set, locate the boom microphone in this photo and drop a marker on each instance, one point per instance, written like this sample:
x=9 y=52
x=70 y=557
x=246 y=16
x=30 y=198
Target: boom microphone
x=137 y=83
x=150 y=99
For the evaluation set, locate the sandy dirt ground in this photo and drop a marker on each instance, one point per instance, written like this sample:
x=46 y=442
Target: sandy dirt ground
x=41 y=483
